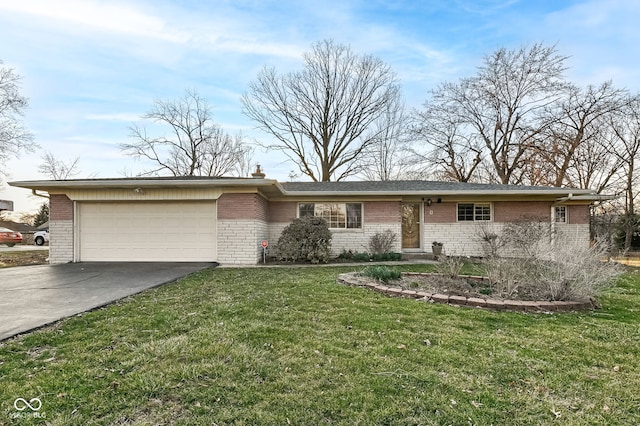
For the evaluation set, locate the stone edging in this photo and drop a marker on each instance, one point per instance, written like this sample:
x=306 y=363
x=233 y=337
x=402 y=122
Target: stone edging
x=494 y=304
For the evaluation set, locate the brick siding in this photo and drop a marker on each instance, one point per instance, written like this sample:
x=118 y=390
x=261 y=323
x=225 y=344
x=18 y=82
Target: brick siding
x=441 y=213
x=282 y=211
x=61 y=207
x=239 y=241
x=61 y=241
x=578 y=215
x=242 y=206
x=61 y=229
x=511 y=211
x=382 y=211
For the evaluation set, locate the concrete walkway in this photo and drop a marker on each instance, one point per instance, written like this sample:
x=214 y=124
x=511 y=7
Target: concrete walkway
x=34 y=296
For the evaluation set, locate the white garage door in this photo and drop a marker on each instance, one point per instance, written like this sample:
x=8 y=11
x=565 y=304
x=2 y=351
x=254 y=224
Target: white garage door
x=147 y=231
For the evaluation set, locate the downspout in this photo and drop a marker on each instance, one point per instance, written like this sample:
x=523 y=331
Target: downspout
x=34 y=192
x=553 y=215
x=553 y=224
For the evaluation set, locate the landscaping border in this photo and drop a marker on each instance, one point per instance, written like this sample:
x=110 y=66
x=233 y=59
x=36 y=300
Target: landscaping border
x=476 y=302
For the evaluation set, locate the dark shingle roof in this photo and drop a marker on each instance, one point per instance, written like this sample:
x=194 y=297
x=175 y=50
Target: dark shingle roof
x=412 y=186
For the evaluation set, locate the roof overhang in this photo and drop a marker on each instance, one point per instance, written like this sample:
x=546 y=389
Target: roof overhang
x=559 y=192
x=582 y=198
x=272 y=188
x=266 y=186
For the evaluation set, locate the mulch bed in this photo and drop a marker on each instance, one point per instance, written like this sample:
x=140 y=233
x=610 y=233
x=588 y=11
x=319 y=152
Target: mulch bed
x=464 y=291
x=23 y=258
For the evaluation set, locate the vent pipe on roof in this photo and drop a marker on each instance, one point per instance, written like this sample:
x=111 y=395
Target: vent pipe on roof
x=258 y=174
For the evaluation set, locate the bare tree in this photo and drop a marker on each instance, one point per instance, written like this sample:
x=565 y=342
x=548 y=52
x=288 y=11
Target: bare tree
x=193 y=146
x=246 y=164
x=626 y=128
x=14 y=138
x=453 y=148
x=59 y=169
x=582 y=116
x=322 y=114
x=592 y=165
x=388 y=157
x=504 y=101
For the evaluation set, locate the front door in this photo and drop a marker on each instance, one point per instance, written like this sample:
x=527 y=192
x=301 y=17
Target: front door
x=411 y=226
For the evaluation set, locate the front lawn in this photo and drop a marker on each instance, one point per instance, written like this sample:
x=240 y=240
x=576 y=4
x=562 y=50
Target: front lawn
x=290 y=346
x=23 y=258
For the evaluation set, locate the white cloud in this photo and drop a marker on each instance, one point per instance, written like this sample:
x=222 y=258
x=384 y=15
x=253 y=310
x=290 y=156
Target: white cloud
x=111 y=17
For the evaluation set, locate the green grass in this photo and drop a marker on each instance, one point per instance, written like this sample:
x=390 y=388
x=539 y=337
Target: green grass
x=290 y=346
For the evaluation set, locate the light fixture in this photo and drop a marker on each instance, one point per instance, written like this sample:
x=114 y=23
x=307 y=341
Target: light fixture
x=428 y=201
x=138 y=190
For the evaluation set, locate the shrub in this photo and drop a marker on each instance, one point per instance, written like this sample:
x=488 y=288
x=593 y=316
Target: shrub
x=505 y=274
x=552 y=267
x=386 y=256
x=450 y=266
x=361 y=257
x=490 y=241
x=346 y=255
x=576 y=272
x=382 y=242
x=381 y=273
x=307 y=238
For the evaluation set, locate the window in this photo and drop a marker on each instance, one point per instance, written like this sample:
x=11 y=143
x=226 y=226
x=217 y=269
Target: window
x=337 y=215
x=561 y=214
x=474 y=212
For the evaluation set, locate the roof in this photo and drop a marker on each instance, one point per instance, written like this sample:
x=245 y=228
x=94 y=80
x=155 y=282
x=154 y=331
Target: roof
x=418 y=187
x=271 y=187
x=16 y=226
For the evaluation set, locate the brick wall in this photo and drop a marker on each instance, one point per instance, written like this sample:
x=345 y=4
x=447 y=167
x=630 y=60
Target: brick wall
x=441 y=213
x=578 y=215
x=511 y=211
x=242 y=206
x=378 y=216
x=239 y=240
x=459 y=239
x=61 y=207
x=282 y=211
x=381 y=211
x=462 y=239
x=359 y=240
x=61 y=241
x=60 y=229
x=262 y=208
x=355 y=240
x=573 y=233
x=503 y=211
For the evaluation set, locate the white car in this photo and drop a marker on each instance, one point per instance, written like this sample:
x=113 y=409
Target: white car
x=41 y=237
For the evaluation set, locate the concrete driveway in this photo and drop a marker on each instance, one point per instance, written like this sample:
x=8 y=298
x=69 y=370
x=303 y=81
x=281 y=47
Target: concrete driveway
x=33 y=296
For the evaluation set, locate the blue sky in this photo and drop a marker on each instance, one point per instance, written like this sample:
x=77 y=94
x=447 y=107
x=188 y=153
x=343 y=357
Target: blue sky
x=90 y=68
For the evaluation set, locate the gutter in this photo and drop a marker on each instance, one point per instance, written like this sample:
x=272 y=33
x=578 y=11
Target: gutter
x=34 y=192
